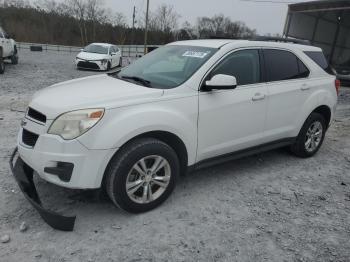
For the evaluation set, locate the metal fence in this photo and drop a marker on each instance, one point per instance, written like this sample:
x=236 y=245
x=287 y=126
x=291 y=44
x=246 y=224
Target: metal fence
x=127 y=50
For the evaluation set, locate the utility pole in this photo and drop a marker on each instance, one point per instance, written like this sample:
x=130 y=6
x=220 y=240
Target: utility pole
x=146 y=28
x=133 y=18
x=133 y=28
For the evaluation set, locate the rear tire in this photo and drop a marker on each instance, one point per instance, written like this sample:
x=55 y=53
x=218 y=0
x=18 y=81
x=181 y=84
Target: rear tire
x=108 y=66
x=133 y=181
x=14 y=57
x=310 y=137
x=2 y=64
x=120 y=62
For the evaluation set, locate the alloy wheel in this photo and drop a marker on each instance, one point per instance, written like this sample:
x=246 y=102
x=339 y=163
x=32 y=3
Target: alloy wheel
x=148 y=179
x=313 y=136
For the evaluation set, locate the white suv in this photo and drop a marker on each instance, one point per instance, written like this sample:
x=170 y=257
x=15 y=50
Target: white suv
x=183 y=106
x=8 y=50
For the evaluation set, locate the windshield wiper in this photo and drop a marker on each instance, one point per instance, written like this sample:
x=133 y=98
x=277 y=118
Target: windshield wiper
x=138 y=79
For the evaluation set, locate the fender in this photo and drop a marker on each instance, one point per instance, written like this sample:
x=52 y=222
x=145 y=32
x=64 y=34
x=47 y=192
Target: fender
x=318 y=98
x=120 y=125
x=13 y=44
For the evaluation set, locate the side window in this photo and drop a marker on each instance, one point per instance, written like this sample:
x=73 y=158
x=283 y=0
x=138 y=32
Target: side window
x=116 y=49
x=319 y=58
x=303 y=71
x=244 y=65
x=284 y=65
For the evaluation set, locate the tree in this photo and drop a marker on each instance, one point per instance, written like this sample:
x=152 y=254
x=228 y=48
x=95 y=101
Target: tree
x=76 y=22
x=166 y=18
x=186 y=32
x=222 y=26
x=77 y=9
x=94 y=14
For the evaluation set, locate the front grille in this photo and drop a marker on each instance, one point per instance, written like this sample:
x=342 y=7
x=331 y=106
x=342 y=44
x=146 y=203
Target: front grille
x=89 y=65
x=29 y=138
x=32 y=113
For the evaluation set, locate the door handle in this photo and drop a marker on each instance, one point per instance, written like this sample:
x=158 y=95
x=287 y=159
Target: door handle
x=258 y=97
x=304 y=87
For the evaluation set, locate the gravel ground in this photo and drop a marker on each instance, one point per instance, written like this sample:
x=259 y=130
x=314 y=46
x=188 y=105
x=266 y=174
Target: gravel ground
x=267 y=207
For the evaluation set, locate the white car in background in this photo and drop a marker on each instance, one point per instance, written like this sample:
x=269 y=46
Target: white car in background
x=8 y=50
x=99 y=56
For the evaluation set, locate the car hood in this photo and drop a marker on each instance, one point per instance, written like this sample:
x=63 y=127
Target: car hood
x=98 y=91
x=91 y=56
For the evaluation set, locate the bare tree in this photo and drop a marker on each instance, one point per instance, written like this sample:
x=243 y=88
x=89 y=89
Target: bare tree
x=219 y=25
x=94 y=14
x=119 y=19
x=166 y=18
x=77 y=9
x=186 y=32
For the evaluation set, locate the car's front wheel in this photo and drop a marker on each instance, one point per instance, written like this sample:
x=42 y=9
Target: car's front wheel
x=108 y=66
x=310 y=137
x=142 y=175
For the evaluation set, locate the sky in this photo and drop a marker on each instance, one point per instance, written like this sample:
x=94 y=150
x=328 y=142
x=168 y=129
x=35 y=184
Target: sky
x=265 y=17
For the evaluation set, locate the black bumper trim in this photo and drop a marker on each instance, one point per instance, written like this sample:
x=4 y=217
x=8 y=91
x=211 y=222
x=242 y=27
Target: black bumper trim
x=24 y=177
x=63 y=170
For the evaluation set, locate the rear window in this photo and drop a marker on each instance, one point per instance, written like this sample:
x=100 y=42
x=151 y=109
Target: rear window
x=320 y=59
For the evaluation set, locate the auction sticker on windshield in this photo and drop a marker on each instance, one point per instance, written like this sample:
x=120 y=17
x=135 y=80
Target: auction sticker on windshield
x=196 y=54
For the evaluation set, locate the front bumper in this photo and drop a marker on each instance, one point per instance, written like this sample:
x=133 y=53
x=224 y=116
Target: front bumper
x=91 y=65
x=24 y=177
x=51 y=152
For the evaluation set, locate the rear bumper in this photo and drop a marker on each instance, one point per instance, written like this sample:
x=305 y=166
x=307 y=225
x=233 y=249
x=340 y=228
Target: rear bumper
x=24 y=177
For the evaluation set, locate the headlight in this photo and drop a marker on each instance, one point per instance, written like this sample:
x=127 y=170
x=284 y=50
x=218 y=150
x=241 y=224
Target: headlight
x=73 y=124
x=104 y=61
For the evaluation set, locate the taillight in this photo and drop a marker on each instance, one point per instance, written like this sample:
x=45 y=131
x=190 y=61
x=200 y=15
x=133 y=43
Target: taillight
x=337 y=85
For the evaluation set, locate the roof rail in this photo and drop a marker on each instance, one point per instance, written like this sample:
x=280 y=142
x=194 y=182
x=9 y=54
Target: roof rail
x=267 y=38
x=281 y=39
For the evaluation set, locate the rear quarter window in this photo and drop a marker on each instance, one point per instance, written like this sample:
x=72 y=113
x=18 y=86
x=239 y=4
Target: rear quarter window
x=319 y=58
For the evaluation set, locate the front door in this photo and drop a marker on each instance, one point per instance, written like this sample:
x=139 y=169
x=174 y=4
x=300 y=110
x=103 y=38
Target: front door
x=231 y=120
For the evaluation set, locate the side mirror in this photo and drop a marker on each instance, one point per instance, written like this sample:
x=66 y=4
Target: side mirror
x=220 y=82
x=82 y=50
x=113 y=53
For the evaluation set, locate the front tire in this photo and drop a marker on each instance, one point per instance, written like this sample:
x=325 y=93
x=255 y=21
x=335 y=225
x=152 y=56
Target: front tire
x=142 y=175
x=310 y=137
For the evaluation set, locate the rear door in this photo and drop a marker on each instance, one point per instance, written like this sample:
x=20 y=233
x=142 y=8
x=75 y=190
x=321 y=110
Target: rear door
x=288 y=88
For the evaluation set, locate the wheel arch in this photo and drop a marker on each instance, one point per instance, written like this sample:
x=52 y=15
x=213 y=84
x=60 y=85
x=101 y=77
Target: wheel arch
x=169 y=138
x=325 y=111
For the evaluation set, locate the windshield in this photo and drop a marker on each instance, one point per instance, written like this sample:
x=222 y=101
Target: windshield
x=167 y=67
x=97 y=49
